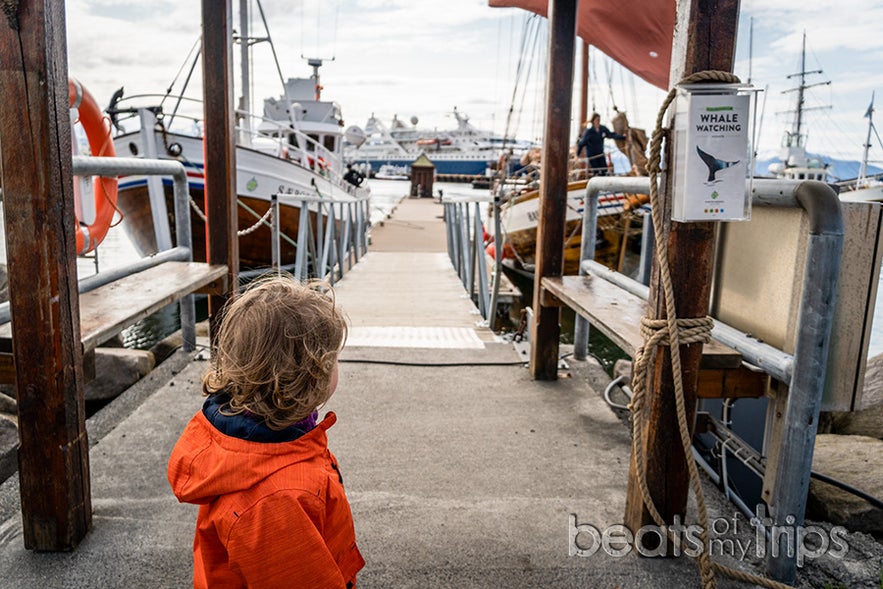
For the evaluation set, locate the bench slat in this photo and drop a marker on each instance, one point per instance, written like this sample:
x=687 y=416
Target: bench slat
x=617 y=314
x=107 y=310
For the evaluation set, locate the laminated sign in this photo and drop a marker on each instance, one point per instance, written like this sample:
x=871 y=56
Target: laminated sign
x=711 y=157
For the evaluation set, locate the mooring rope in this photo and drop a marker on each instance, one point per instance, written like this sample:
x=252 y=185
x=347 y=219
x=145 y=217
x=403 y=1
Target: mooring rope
x=257 y=223
x=674 y=332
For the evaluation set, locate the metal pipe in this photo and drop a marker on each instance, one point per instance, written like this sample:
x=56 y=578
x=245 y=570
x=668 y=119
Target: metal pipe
x=594 y=187
x=771 y=360
x=480 y=265
x=274 y=234
x=816 y=316
x=117 y=166
x=498 y=259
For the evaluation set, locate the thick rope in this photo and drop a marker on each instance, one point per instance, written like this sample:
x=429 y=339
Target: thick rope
x=674 y=332
x=257 y=223
x=266 y=218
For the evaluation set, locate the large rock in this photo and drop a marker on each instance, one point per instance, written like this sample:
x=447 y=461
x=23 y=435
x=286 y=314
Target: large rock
x=858 y=462
x=867 y=420
x=116 y=369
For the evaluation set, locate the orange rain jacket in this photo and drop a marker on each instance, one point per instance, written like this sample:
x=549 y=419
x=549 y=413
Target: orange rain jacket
x=270 y=515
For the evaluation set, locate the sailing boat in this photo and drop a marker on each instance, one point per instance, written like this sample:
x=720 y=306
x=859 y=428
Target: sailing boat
x=865 y=187
x=293 y=150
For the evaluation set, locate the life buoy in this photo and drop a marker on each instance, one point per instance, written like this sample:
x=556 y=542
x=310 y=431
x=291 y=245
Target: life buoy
x=97 y=129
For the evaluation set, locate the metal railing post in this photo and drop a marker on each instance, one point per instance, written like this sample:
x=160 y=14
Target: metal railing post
x=818 y=299
x=274 y=234
x=480 y=263
x=594 y=188
x=300 y=261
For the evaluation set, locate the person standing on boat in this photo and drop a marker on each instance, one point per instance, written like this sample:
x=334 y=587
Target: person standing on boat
x=353 y=176
x=593 y=142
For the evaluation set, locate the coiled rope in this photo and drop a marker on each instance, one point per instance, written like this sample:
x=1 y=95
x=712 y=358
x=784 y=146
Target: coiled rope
x=674 y=332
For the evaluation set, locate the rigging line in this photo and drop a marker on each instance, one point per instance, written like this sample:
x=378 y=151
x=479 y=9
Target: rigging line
x=186 y=83
x=528 y=29
x=273 y=49
x=196 y=44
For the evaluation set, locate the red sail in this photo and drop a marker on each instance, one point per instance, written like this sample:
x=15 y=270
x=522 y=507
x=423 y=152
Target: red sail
x=636 y=33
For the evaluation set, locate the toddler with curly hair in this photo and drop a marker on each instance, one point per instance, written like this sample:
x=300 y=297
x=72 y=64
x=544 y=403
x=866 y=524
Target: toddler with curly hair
x=272 y=507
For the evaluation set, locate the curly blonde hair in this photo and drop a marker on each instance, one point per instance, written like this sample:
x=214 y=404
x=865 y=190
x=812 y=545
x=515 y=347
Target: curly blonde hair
x=276 y=350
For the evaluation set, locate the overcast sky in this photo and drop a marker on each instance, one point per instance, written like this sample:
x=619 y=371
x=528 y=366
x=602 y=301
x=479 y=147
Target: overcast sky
x=405 y=58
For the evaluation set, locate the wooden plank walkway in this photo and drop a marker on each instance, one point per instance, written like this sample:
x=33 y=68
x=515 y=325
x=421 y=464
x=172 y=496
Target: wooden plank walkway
x=405 y=291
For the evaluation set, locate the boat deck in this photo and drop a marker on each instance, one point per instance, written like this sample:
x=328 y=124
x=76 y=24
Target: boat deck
x=462 y=471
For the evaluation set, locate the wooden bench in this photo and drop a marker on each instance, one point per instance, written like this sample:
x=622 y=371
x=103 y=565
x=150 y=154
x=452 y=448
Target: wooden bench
x=617 y=314
x=107 y=310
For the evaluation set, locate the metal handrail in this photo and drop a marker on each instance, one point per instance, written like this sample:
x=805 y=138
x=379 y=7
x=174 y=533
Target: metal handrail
x=120 y=166
x=465 y=245
x=804 y=371
x=339 y=241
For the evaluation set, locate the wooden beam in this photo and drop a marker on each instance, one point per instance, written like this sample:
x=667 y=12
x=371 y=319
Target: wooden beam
x=220 y=147
x=705 y=39
x=38 y=201
x=553 y=185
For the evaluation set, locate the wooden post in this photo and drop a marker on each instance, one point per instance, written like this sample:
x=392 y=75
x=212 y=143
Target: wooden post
x=222 y=241
x=705 y=40
x=41 y=250
x=553 y=185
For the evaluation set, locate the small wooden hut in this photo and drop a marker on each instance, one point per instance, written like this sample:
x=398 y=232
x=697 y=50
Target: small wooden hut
x=422 y=177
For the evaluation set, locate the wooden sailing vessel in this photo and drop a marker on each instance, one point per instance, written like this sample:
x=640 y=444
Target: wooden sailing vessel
x=619 y=215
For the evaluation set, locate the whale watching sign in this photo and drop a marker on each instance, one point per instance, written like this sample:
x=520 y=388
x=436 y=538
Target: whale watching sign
x=712 y=154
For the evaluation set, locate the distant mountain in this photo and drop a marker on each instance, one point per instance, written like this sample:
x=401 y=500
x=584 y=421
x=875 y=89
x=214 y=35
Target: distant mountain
x=837 y=169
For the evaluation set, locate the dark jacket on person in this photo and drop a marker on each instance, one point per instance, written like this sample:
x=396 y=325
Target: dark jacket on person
x=593 y=142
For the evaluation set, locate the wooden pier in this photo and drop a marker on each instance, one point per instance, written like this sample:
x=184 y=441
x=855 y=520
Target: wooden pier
x=462 y=471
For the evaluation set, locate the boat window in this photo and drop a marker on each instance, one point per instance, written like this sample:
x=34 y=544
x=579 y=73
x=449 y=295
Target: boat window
x=311 y=145
x=328 y=142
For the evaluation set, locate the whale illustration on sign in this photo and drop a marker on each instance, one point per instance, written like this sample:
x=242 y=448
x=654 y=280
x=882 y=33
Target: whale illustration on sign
x=714 y=164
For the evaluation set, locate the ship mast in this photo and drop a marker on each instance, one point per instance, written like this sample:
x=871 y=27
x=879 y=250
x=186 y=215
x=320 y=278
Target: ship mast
x=794 y=139
x=863 y=170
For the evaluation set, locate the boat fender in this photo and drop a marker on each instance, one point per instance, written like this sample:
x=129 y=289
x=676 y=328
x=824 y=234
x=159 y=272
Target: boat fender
x=97 y=129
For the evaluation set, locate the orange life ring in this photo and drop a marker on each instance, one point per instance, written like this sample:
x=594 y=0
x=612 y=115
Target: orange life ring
x=100 y=144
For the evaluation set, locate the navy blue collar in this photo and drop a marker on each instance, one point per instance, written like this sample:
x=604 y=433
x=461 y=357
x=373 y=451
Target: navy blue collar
x=245 y=426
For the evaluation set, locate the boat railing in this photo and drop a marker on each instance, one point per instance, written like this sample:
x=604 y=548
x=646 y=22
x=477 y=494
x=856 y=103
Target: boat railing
x=466 y=249
x=119 y=166
x=125 y=109
x=254 y=129
x=326 y=248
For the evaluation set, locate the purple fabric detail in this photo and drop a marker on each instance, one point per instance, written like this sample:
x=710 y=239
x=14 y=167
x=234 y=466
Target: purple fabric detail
x=308 y=423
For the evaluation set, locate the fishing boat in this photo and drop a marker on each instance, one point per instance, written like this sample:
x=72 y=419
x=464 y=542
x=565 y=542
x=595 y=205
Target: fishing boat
x=293 y=150
x=465 y=150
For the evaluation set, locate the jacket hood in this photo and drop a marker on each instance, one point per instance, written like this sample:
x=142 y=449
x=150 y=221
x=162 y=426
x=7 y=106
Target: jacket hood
x=206 y=463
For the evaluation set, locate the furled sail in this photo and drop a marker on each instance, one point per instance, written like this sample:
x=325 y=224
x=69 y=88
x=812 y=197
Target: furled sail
x=635 y=33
